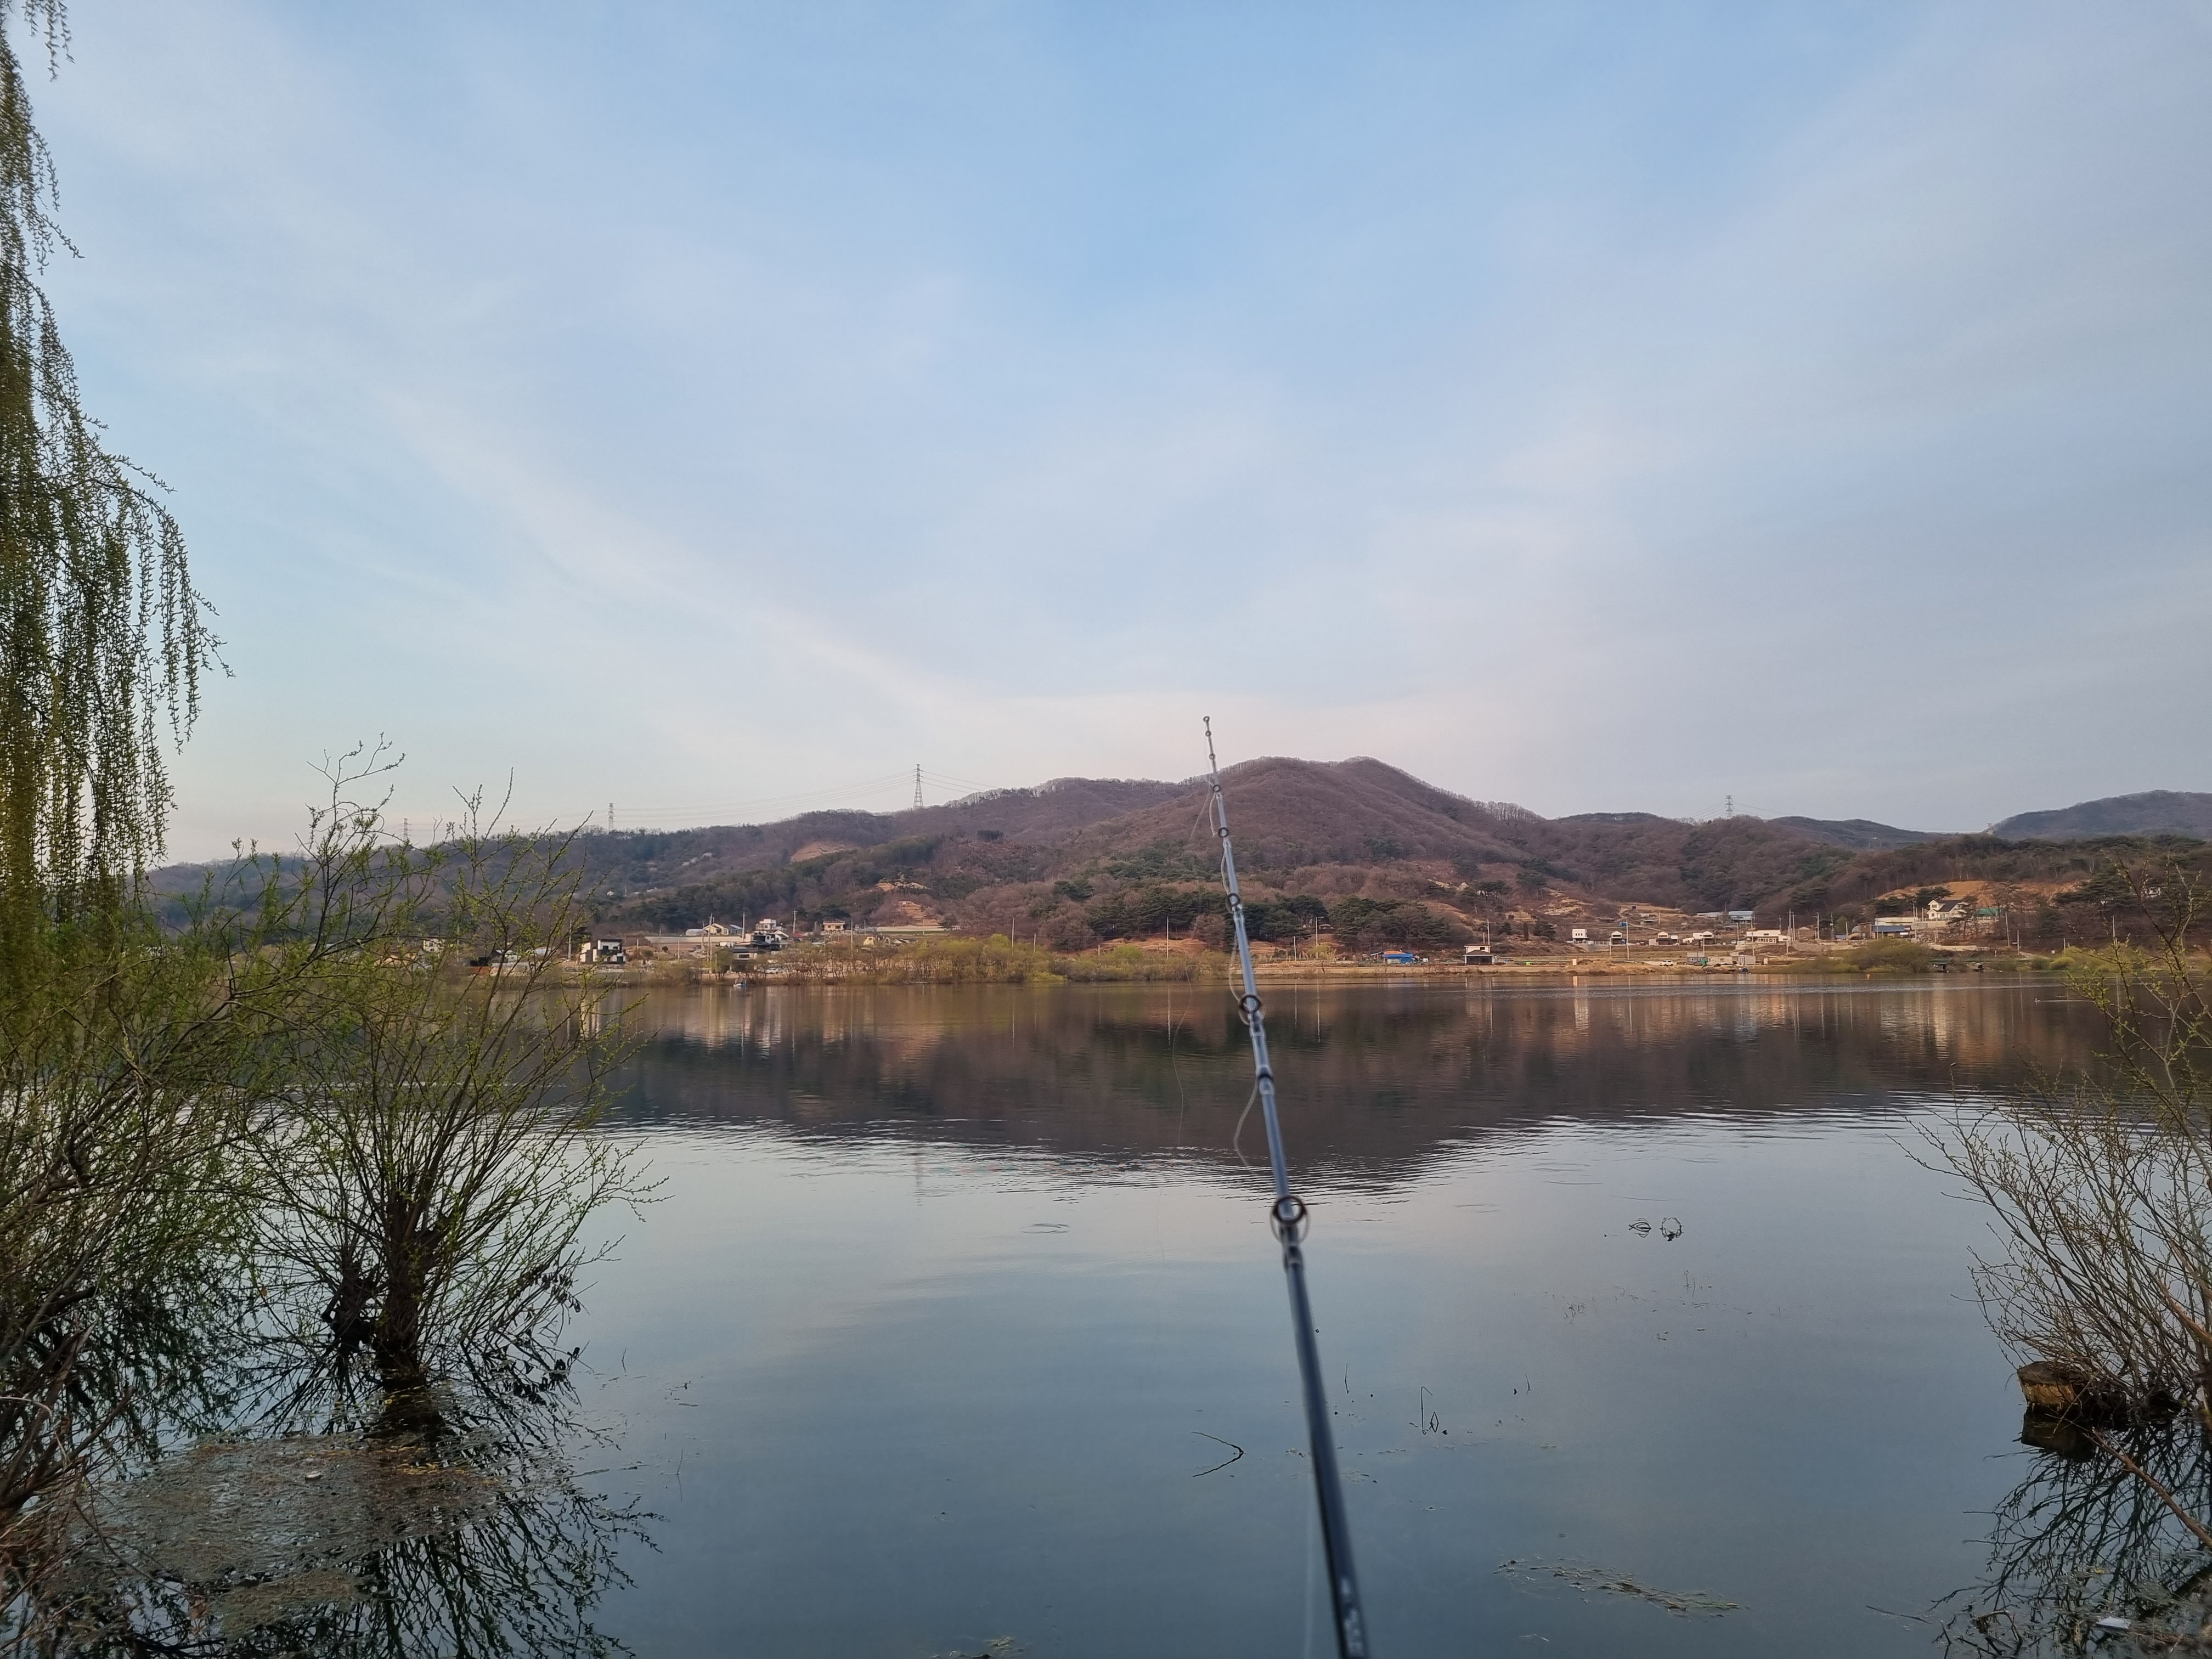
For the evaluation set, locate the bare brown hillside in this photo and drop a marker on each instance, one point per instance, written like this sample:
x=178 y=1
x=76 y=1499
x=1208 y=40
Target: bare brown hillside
x=1356 y=849
x=1290 y=813
x=1724 y=864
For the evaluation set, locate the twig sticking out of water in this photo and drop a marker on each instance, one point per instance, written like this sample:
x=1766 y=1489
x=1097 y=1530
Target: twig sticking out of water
x=1237 y=1451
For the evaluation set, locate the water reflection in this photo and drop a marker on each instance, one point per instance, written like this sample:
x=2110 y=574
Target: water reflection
x=1376 y=1080
x=954 y=1295
x=2081 y=1539
x=480 y=1541
x=951 y=1286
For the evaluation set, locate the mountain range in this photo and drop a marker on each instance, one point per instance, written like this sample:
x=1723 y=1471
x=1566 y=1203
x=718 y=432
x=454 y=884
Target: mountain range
x=1386 y=857
x=2154 y=812
x=1081 y=859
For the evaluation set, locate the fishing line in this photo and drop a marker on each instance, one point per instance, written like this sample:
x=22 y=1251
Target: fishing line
x=1236 y=1135
x=1287 y=1219
x=1159 y=1233
x=1174 y=1065
x=1305 y=1641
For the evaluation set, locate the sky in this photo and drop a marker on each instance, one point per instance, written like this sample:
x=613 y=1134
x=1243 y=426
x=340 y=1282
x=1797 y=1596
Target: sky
x=714 y=411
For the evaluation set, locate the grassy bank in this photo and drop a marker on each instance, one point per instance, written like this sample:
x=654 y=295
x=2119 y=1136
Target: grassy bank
x=1882 y=956
x=1002 y=960
x=1901 y=956
x=995 y=960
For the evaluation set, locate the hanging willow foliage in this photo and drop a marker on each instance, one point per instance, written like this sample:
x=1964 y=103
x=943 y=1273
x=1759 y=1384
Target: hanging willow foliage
x=102 y=637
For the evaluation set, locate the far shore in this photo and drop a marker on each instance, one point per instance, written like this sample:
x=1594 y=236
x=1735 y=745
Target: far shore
x=1161 y=967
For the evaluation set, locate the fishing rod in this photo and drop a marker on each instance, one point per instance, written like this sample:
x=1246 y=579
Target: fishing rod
x=1286 y=1218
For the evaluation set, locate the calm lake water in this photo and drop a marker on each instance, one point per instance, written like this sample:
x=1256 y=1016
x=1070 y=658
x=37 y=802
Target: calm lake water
x=958 y=1305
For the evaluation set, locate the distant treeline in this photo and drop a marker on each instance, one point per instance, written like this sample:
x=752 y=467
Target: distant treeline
x=2097 y=902
x=1354 y=848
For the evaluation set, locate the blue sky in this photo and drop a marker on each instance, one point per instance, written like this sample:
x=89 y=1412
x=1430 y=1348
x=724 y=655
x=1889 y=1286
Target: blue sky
x=1599 y=408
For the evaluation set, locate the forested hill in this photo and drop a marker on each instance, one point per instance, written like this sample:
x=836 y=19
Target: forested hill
x=1858 y=835
x=1077 y=862
x=634 y=860
x=2154 y=812
x=1369 y=851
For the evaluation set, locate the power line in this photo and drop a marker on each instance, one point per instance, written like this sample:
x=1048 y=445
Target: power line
x=866 y=786
x=700 y=813
x=965 y=783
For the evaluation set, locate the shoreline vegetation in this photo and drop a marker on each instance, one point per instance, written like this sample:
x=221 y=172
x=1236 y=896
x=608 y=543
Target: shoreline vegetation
x=286 y=1192
x=999 y=960
x=296 y=1172
x=2098 y=1276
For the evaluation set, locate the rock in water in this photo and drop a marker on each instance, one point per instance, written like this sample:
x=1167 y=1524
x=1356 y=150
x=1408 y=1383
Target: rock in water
x=2049 y=1386
x=2062 y=1390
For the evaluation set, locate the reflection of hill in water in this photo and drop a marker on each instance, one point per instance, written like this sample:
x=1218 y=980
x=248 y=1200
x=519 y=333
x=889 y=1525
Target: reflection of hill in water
x=1370 y=1075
